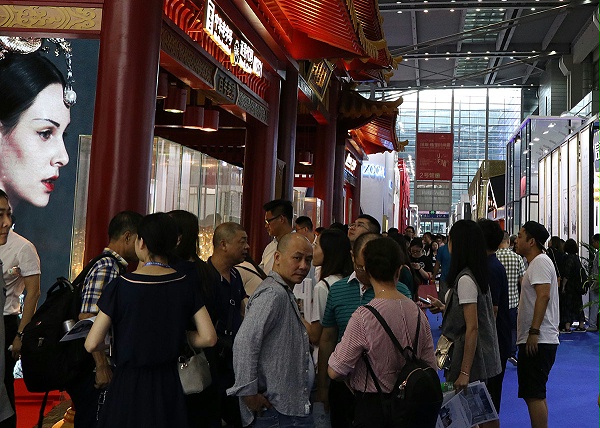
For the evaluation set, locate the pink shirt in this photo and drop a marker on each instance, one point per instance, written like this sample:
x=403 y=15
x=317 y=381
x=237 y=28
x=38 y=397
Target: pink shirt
x=365 y=333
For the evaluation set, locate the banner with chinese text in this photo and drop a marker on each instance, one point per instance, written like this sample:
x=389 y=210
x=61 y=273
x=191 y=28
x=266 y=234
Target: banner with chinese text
x=434 y=156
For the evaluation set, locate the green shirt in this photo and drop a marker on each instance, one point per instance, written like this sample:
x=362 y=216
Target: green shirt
x=344 y=298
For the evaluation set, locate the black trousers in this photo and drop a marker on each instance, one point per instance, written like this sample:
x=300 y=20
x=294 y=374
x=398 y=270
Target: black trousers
x=342 y=404
x=11 y=324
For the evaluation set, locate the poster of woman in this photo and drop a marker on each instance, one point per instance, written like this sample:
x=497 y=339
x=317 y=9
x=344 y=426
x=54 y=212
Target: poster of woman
x=42 y=114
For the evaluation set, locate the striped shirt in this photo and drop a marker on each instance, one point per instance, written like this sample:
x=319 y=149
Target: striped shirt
x=345 y=296
x=515 y=269
x=365 y=334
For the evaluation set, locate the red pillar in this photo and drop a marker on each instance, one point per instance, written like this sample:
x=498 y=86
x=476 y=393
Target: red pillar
x=259 y=171
x=324 y=159
x=338 y=180
x=288 y=115
x=356 y=202
x=124 y=115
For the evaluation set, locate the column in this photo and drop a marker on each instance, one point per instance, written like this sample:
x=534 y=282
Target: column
x=124 y=115
x=357 y=191
x=324 y=158
x=286 y=144
x=338 y=178
x=260 y=160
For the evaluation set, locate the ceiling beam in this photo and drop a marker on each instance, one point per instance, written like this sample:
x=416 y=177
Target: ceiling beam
x=530 y=69
x=395 y=6
x=461 y=35
x=413 y=23
x=558 y=20
x=459 y=42
x=502 y=42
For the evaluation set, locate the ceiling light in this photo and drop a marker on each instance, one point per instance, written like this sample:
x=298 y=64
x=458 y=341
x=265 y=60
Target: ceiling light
x=211 y=120
x=305 y=158
x=193 y=117
x=552 y=125
x=477 y=10
x=426 y=59
x=533 y=8
x=536 y=139
x=525 y=152
x=425 y=11
x=176 y=100
x=501 y=10
x=162 y=89
x=545 y=132
x=486 y=57
x=447 y=58
x=451 y=10
x=399 y=11
x=532 y=51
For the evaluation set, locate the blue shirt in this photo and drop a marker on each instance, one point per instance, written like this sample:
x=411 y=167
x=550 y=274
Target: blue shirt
x=443 y=256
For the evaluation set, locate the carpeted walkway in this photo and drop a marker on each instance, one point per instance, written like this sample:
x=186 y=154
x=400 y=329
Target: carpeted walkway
x=572 y=387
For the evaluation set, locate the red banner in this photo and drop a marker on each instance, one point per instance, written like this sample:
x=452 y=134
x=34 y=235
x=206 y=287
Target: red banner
x=434 y=156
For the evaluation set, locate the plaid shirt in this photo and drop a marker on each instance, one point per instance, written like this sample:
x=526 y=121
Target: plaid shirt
x=104 y=271
x=515 y=269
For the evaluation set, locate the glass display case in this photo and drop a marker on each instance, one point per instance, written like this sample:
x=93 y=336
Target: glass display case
x=181 y=178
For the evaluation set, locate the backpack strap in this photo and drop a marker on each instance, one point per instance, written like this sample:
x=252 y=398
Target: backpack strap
x=390 y=333
x=42 y=408
x=81 y=277
x=326 y=283
x=392 y=336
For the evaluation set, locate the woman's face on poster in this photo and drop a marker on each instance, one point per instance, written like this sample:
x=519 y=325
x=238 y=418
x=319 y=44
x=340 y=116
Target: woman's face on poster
x=32 y=153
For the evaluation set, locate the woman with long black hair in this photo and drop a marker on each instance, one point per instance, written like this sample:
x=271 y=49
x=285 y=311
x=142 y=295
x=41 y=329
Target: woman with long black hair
x=468 y=313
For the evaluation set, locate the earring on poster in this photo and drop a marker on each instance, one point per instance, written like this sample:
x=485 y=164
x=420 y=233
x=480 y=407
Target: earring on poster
x=27 y=45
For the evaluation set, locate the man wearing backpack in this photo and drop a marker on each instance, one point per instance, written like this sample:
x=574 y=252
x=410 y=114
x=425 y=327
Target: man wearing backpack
x=87 y=394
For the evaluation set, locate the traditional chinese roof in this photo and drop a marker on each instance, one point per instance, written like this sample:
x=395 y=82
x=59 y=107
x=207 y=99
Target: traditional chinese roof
x=372 y=124
x=349 y=29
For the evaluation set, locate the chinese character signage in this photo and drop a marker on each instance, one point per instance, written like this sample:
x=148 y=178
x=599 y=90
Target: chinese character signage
x=223 y=35
x=434 y=156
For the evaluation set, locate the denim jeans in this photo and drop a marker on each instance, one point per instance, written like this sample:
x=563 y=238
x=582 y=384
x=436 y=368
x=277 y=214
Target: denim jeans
x=271 y=418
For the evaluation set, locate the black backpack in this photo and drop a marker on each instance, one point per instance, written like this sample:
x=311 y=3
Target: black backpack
x=417 y=396
x=47 y=363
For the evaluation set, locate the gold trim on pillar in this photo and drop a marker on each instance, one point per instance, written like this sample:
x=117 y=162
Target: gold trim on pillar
x=51 y=18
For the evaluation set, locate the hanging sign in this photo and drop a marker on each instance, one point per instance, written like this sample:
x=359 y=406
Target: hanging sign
x=223 y=34
x=434 y=156
x=350 y=163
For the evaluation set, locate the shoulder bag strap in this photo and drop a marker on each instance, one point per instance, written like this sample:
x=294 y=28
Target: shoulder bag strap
x=326 y=283
x=248 y=270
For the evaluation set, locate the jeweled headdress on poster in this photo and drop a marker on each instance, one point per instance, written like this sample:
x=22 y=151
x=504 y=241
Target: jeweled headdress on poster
x=27 y=45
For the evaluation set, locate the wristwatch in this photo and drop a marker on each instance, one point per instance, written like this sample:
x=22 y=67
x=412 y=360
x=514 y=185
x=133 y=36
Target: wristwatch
x=20 y=334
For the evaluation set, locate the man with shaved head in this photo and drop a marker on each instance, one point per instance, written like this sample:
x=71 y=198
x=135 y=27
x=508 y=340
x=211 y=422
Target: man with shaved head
x=230 y=247
x=274 y=371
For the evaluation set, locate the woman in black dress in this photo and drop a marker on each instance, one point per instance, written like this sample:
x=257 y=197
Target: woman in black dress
x=148 y=310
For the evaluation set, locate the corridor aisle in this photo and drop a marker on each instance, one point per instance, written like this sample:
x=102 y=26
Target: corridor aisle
x=572 y=387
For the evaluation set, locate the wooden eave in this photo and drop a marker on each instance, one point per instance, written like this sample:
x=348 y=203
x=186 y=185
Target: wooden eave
x=372 y=124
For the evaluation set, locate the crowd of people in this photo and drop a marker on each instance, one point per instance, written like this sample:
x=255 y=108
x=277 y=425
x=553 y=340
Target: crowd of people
x=280 y=338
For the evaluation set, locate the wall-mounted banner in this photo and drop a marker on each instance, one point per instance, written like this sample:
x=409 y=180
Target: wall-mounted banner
x=434 y=156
